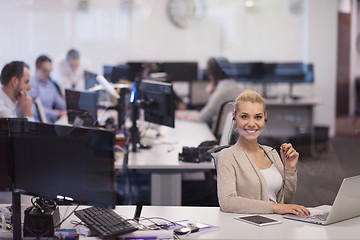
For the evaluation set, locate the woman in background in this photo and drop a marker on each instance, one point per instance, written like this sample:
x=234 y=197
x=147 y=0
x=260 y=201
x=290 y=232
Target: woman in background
x=252 y=178
x=220 y=89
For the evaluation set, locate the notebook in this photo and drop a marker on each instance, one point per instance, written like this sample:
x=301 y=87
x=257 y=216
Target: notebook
x=345 y=206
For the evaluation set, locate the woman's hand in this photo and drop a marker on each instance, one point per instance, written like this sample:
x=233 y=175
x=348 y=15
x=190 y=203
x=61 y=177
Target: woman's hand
x=290 y=156
x=290 y=208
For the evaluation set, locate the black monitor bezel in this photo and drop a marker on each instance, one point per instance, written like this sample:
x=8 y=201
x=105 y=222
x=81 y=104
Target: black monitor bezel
x=258 y=72
x=86 y=151
x=153 y=89
x=92 y=110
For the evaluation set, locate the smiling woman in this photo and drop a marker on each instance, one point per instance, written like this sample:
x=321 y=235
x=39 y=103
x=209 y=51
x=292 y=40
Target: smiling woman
x=253 y=178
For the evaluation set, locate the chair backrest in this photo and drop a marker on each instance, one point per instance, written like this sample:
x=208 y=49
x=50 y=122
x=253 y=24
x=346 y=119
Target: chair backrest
x=227 y=131
x=218 y=126
x=40 y=110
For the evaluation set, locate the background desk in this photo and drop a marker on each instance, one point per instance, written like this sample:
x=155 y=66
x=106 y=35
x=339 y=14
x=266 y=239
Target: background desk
x=288 y=117
x=162 y=159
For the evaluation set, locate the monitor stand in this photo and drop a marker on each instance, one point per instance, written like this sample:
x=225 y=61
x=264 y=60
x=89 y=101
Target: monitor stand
x=16 y=217
x=291 y=95
x=134 y=131
x=264 y=92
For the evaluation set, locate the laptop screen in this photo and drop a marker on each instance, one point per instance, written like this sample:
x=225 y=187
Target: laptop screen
x=81 y=108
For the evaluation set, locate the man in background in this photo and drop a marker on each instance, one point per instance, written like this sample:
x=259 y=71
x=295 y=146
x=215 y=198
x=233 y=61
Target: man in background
x=70 y=71
x=46 y=90
x=15 y=83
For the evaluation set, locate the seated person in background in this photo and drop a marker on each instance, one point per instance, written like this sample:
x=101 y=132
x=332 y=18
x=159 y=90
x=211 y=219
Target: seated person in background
x=251 y=177
x=220 y=89
x=46 y=90
x=70 y=71
x=15 y=83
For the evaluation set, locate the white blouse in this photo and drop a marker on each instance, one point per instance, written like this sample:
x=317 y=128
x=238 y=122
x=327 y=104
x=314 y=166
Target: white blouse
x=274 y=181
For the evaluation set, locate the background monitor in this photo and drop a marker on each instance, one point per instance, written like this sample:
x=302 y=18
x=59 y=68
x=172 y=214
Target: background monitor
x=55 y=162
x=135 y=69
x=158 y=101
x=294 y=72
x=81 y=107
x=181 y=71
x=115 y=73
x=90 y=79
x=258 y=72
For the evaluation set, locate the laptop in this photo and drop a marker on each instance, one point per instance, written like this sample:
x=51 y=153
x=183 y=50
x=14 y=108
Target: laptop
x=81 y=108
x=345 y=206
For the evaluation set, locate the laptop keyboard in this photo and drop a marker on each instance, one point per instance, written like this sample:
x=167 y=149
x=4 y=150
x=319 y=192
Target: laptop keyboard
x=321 y=217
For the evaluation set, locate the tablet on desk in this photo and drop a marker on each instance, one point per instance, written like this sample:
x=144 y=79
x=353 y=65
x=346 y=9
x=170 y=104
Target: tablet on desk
x=258 y=220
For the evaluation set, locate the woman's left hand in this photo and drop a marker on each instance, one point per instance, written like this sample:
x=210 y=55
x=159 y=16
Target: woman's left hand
x=290 y=156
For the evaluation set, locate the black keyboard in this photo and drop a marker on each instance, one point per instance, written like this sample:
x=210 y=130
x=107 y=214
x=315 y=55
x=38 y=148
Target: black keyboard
x=104 y=222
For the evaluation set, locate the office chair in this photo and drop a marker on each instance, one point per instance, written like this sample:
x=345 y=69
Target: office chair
x=228 y=133
x=221 y=119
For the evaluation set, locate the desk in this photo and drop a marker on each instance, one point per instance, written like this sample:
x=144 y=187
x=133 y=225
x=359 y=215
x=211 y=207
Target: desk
x=229 y=228
x=233 y=229
x=162 y=159
x=289 y=117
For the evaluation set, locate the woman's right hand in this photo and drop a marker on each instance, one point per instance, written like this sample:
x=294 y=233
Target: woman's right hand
x=290 y=208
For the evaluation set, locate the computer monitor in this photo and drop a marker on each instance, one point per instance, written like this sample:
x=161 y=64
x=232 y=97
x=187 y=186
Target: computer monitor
x=64 y=163
x=81 y=107
x=90 y=79
x=142 y=70
x=6 y=175
x=135 y=69
x=158 y=102
x=296 y=72
x=115 y=73
x=181 y=71
x=258 y=72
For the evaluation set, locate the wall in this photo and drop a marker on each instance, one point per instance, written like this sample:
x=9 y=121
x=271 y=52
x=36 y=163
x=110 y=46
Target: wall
x=116 y=31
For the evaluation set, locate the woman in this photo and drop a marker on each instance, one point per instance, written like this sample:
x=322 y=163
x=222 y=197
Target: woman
x=252 y=178
x=220 y=89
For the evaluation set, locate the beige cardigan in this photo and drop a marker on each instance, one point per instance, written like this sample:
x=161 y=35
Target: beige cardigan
x=241 y=186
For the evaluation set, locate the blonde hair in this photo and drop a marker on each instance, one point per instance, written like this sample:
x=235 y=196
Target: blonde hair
x=249 y=95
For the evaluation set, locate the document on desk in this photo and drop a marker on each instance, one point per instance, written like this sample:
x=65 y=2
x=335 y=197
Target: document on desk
x=201 y=226
x=189 y=115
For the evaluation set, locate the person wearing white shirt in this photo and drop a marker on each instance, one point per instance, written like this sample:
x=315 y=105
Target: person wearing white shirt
x=69 y=72
x=15 y=83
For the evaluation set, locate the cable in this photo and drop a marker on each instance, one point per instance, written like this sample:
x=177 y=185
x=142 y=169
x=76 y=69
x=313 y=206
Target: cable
x=43 y=204
x=37 y=236
x=160 y=226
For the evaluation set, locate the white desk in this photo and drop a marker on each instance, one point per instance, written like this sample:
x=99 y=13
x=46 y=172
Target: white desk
x=162 y=160
x=289 y=117
x=229 y=228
